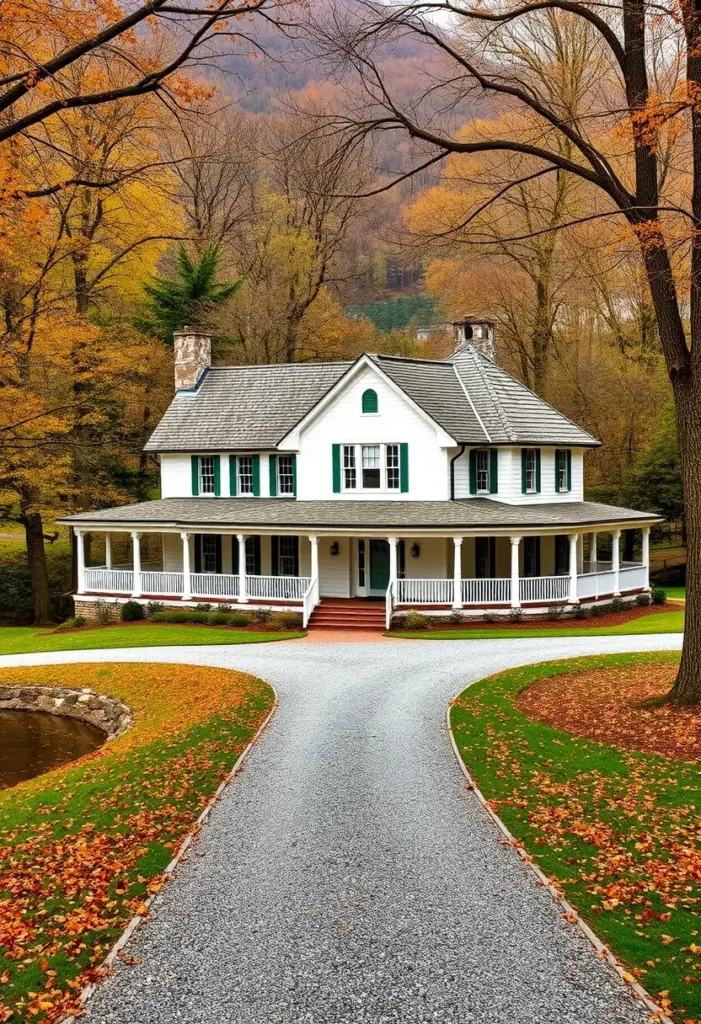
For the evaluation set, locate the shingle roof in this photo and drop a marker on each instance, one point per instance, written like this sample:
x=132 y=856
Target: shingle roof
x=470 y=513
x=243 y=406
x=253 y=407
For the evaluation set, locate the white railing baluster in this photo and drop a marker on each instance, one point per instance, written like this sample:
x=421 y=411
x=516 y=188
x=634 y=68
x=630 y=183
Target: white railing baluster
x=277 y=588
x=486 y=591
x=544 y=589
x=109 y=581
x=214 y=584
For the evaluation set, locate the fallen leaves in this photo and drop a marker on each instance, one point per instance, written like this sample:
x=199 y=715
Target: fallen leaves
x=83 y=847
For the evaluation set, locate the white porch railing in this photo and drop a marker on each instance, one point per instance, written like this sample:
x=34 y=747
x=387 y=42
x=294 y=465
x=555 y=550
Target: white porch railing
x=594 y=584
x=277 y=588
x=544 y=588
x=309 y=601
x=110 y=581
x=424 y=592
x=214 y=584
x=486 y=591
x=162 y=583
x=632 y=576
x=389 y=604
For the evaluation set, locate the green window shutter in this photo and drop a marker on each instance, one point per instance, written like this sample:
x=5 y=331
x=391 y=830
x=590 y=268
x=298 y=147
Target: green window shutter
x=473 y=471
x=232 y=475
x=404 y=467
x=274 y=548
x=336 y=464
x=493 y=471
x=524 y=472
x=369 y=401
x=195 y=465
x=255 y=465
x=569 y=469
x=294 y=474
x=558 y=454
x=217 y=478
x=537 y=470
x=272 y=467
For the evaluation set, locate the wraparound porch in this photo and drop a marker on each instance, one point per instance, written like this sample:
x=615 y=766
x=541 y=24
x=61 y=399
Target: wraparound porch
x=473 y=571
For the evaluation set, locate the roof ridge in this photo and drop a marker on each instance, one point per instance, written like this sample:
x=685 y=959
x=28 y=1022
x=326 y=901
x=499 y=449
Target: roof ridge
x=538 y=397
x=275 y=366
x=410 y=359
x=489 y=387
x=472 y=404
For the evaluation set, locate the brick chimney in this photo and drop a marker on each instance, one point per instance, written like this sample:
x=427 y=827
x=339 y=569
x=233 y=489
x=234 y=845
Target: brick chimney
x=192 y=349
x=477 y=333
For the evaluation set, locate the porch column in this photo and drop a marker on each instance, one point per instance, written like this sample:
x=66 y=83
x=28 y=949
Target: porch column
x=80 y=558
x=616 y=561
x=393 y=541
x=573 y=598
x=241 y=538
x=314 y=542
x=593 y=559
x=136 y=558
x=646 y=555
x=108 y=550
x=187 y=583
x=457 y=572
x=515 y=576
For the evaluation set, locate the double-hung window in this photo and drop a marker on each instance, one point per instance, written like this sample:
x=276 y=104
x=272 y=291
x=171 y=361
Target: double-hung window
x=372 y=471
x=349 y=472
x=244 y=465
x=206 y=474
x=285 y=474
x=482 y=470
x=287 y=556
x=531 y=458
x=209 y=552
x=562 y=469
x=392 y=466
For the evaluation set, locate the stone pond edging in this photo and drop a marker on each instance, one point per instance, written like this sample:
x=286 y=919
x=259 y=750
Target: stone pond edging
x=105 y=713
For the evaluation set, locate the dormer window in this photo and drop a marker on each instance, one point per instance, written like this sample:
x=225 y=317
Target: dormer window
x=369 y=401
x=206 y=474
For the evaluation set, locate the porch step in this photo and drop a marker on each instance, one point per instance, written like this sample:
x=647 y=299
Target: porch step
x=348 y=614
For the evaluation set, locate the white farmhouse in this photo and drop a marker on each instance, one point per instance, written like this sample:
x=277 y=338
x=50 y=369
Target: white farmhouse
x=438 y=484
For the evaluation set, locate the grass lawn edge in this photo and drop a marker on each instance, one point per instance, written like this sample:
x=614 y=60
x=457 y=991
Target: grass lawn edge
x=139 y=919
x=568 y=911
x=633 y=627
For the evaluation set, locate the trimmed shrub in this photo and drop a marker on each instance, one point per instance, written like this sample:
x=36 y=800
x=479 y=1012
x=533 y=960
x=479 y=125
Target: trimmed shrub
x=285 y=620
x=180 y=615
x=617 y=605
x=658 y=595
x=224 y=608
x=74 y=623
x=416 y=620
x=203 y=607
x=154 y=606
x=102 y=613
x=581 y=613
x=642 y=600
x=456 y=617
x=262 y=615
x=132 y=611
x=490 y=617
x=597 y=610
x=228 y=619
x=399 y=621
x=516 y=614
x=555 y=612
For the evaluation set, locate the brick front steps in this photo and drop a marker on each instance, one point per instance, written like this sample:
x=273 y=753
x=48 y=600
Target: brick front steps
x=348 y=614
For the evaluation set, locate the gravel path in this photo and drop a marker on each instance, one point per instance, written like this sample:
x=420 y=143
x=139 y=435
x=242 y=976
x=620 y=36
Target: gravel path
x=347 y=875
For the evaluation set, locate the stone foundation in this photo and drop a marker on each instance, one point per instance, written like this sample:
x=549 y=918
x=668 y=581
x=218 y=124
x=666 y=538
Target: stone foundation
x=87 y=608
x=107 y=714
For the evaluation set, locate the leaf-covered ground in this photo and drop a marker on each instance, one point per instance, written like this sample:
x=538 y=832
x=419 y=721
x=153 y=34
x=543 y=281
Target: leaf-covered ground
x=617 y=830
x=30 y=639
x=81 y=847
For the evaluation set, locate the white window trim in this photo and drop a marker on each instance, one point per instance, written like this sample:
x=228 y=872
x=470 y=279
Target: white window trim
x=200 y=489
x=487 y=489
x=280 y=492
x=531 y=452
x=562 y=470
x=239 y=492
x=359 y=445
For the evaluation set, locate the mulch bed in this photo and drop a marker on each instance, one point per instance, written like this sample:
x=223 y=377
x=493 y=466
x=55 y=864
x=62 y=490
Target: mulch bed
x=604 y=705
x=567 y=622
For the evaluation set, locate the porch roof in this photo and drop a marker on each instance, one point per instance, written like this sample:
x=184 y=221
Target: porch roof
x=267 y=513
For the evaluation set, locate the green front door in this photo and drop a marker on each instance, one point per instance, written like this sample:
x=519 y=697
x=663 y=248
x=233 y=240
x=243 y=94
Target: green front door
x=379 y=566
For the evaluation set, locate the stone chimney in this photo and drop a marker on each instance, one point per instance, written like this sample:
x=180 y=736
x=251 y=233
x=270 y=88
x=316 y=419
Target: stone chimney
x=192 y=349
x=478 y=333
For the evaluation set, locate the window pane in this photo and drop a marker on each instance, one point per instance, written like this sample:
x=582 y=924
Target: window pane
x=251 y=560
x=286 y=556
x=393 y=467
x=209 y=552
x=371 y=465
x=482 y=465
x=206 y=474
x=245 y=468
x=349 y=474
x=562 y=470
x=530 y=470
x=285 y=475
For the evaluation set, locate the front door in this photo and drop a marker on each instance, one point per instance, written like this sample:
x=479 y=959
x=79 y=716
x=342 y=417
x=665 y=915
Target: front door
x=379 y=567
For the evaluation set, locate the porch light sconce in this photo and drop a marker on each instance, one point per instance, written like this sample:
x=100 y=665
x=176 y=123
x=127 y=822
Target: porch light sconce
x=415 y=550
x=334 y=548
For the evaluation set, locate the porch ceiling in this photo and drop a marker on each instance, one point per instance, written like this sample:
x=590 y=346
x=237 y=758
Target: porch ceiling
x=469 y=514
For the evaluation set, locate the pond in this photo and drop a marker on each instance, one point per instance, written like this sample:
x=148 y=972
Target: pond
x=32 y=742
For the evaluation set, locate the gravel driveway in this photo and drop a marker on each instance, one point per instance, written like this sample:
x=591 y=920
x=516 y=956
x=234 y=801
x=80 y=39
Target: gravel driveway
x=347 y=874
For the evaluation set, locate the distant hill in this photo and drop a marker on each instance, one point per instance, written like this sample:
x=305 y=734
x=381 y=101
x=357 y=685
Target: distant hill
x=397 y=313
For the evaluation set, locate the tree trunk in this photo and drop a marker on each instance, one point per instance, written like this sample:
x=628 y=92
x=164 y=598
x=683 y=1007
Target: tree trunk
x=38 y=571
x=687 y=688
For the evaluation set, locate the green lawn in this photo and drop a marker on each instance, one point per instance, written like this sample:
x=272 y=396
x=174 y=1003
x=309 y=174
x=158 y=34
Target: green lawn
x=676 y=593
x=29 y=639
x=617 y=830
x=665 y=622
x=85 y=844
